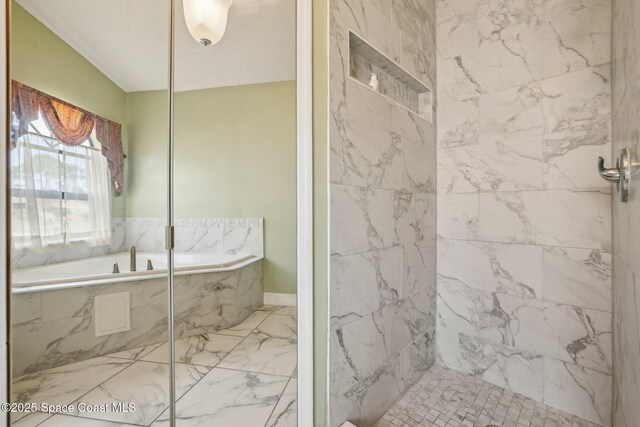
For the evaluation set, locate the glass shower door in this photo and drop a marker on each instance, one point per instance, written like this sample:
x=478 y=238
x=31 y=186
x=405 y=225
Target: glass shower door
x=235 y=212
x=88 y=199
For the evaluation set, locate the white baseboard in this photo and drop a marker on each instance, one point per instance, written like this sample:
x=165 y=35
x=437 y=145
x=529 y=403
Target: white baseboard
x=271 y=298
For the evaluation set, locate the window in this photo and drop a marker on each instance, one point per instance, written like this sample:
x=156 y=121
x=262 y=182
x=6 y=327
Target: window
x=60 y=194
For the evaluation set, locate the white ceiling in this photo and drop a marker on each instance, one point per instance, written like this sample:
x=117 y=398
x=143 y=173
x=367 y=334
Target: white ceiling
x=128 y=41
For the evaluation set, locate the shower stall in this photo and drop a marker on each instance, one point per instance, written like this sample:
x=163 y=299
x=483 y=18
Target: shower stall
x=481 y=270
x=475 y=201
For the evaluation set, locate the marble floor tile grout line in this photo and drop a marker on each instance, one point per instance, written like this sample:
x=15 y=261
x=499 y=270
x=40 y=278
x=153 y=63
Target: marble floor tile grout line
x=133 y=361
x=215 y=366
x=144 y=356
x=183 y=395
x=87 y=418
x=278 y=401
x=246 y=371
x=271 y=312
x=89 y=391
x=154 y=345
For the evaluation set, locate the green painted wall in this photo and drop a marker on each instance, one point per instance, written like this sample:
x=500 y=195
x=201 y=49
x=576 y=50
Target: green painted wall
x=40 y=59
x=235 y=157
x=235 y=147
x=147 y=130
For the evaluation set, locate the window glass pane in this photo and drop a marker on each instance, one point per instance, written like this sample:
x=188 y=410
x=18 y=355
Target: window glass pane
x=17 y=168
x=19 y=219
x=46 y=168
x=75 y=171
x=40 y=127
x=51 y=221
x=50 y=190
x=78 y=216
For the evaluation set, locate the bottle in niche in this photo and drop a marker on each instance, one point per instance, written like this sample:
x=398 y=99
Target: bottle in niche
x=373 y=82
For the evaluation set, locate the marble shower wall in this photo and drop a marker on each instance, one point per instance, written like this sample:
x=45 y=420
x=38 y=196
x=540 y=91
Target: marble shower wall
x=524 y=220
x=626 y=217
x=382 y=218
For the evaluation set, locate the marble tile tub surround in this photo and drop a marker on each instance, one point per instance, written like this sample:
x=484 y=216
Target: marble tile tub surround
x=524 y=220
x=382 y=172
x=199 y=235
x=33 y=259
x=54 y=328
x=626 y=217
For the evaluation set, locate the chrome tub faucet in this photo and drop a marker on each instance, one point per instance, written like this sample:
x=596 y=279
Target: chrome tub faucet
x=132 y=258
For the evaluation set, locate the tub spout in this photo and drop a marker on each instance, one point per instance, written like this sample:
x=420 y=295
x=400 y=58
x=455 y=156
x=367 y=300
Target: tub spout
x=116 y=269
x=149 y=265
x=132 y=259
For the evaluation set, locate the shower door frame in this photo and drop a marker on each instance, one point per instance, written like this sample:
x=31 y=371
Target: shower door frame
x=5 y=313
x=304 y=204
x=304 y=209
x=304 y=200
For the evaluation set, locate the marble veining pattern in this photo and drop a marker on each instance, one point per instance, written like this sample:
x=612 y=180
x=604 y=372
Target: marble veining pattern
x=232 y=398
x=524 y=229
x=269 y=349
x=63 y=385
x=208 y=394
x=285 y=413
x=149 y=395
x=61 y=328
x=203 y=350
x=626 y=217
x=199 y=235
x=383 y=213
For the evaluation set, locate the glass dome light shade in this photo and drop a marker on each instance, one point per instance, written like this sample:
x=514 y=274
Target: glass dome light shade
x=206 y=19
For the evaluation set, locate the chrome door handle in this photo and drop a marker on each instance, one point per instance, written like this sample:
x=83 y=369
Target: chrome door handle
x=620 y=175
x=610 y=174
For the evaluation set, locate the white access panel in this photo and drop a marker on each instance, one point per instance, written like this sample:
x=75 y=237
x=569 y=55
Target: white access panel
x=112 y=313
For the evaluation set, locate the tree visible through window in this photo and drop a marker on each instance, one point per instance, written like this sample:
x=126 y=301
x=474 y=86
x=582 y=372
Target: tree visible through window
x=60 y=194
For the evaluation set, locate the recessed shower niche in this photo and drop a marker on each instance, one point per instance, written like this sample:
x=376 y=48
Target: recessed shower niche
x=367 y=65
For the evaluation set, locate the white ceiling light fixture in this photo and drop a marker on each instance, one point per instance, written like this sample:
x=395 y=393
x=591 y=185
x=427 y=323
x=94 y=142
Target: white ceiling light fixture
x=206 y=19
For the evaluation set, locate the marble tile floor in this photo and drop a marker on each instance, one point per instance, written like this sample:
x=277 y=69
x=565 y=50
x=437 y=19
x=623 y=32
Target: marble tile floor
x=446 y=398
x=244 y=376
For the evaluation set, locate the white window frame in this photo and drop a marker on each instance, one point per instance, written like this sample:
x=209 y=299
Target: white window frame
x=67 y=243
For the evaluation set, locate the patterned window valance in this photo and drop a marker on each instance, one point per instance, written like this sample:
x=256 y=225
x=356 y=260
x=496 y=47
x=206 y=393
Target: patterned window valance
x=69 y=124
